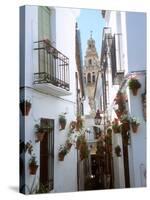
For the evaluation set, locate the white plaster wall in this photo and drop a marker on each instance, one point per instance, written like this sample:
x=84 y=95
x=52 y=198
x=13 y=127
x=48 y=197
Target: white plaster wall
x=136 y=40
x=65 y=41
x=65 y=177
x=119 y=179
x=111 y=20
x=138 y=140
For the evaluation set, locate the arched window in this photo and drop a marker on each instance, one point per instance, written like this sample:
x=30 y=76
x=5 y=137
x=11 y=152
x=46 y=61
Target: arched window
x=85 y=79
x=89 y=78
x=90 y=61
x=93 y=77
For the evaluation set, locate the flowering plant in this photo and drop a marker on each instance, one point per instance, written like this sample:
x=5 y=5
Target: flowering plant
x=134 y=120
x=134 y=83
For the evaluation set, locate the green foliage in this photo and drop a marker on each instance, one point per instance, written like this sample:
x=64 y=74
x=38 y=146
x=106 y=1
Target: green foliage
x=134 y=83
x=118 y=150
x=32 y=160
x=62 y=119
x=134 y=120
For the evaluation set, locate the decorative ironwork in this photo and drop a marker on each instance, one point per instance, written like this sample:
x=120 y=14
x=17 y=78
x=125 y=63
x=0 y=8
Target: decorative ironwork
x=53 y=66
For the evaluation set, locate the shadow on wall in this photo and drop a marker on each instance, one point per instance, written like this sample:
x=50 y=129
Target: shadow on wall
x=14 y=188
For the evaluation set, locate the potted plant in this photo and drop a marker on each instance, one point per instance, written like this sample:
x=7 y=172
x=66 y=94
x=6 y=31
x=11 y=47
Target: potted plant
x=62 y=122
x=118 y=113
x=108 y=143
x=33 y=165
x=134 y=85
x=80 y=139
x=72 y=125
x=25 y=106
x=120 y=98
x=118 y=151
x=39 y=133
x=79 y=123
x=68 y=144
x=109 y=131
x=62 y=152
x=116 y=126
x=134 y=124
x=84 y=152
x=125 y=126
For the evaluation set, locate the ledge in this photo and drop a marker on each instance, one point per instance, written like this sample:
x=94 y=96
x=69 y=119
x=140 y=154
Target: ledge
x=49 y=88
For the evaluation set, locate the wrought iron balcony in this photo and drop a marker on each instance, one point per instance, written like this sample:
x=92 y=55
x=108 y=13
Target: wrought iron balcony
x=53 y=67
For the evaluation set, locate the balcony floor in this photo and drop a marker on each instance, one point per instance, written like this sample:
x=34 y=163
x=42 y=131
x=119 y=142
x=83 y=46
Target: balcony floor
x=51 y=89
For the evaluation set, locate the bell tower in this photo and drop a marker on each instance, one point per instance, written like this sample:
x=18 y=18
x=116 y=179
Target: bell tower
x=91 y=68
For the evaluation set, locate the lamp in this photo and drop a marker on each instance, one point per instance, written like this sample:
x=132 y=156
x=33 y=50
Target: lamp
x=97 y=118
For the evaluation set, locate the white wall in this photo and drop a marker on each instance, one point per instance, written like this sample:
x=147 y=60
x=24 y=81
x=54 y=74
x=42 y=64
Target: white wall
x=136 y=40
x=48 y=106
x=138 y=140
x=65 y=41
x=119 y=178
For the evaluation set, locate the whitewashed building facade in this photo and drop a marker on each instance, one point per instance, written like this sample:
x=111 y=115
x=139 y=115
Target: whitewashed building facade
x=123 y=56
x=47 y=80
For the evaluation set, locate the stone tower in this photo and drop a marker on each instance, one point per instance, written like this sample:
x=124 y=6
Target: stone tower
x=91 y=68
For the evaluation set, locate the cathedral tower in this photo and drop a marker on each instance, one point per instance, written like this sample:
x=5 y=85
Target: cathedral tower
x=91 y=68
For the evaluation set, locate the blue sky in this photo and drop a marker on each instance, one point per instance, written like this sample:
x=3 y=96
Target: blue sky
x=90 y=20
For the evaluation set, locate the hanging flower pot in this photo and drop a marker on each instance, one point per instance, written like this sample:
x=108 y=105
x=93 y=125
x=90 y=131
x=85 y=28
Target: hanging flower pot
x=40 y=136
x=68 y=144
x=33 y=166
x=72 y=125
x=134 y=127
x=84 y=152
x=78 y=142
x=62 y=152
x=120 y=98
x=62 y=122
x=134 y=124
x=79 y=123
x=134 y=85
x=25 y=107
x=118 y=151
x=61 y=156
x=115 y=126
x=125 y=126
x=118 y=113
x=39 y=133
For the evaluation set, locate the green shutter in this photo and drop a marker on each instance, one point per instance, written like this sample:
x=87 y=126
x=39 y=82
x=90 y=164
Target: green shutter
x=44 y=23
x=43 y=33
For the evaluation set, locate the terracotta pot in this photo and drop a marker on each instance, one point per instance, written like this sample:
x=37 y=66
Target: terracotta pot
x=118 y=113
x=62 y=125
x=40 y=136
x=25 y=108
x=81 y=157
x=134 y=128
x=33 y=169
x=78 y=143
x=134 y=91
x=69 y=145
x=116 y=130
x=61 y=156
x=125 y=126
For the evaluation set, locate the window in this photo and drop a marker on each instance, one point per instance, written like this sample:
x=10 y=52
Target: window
x=89 y=78
x=93 y=77
x=90 y=61
x=85 y=79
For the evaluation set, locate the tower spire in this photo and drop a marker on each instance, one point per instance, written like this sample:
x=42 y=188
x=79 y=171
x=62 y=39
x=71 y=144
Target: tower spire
x=91 y=34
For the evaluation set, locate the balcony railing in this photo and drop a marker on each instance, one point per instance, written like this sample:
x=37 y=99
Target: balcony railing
x=53 y=66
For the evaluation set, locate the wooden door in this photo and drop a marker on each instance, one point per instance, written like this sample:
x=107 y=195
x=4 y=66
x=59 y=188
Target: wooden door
x=47 y=154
